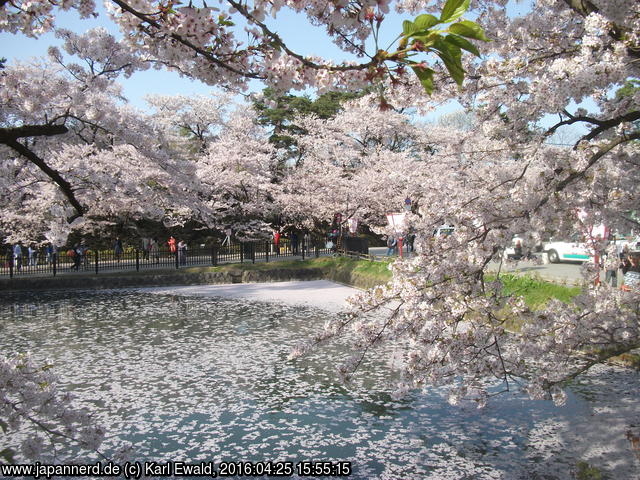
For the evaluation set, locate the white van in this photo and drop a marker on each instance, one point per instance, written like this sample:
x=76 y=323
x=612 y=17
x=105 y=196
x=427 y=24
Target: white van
x=443 y=230
x=567 y=252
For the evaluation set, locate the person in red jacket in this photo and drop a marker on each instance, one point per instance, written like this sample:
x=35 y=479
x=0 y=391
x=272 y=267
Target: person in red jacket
x=172 y=245
x=276 y=241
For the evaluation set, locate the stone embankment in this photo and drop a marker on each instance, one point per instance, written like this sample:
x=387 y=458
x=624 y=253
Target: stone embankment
x=163 y=278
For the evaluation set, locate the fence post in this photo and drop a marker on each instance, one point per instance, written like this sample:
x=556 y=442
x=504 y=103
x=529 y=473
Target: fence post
x=266 y=251
x=11 y=260
x=177 y=259
x=96 y=260
x=253 y=252
x=137 y=260
x=303 y=247
x=54 y=256
x=317 y=251
x=241 y=252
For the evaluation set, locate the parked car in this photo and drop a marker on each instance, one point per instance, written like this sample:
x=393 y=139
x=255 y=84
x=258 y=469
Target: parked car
x=567 y=251
x=444 y=230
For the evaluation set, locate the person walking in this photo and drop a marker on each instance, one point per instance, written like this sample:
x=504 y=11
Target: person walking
x=146 y=248
x=172 y=245
x=118 y=249
x=306 y=240
x=51 y=251
x=84 y=253
x=154 y=250
x=391 y=245
x=611 y=264
x=276 y=241
x=17 y=255
x=33 y=255
x=77 y=257
x=182 y=252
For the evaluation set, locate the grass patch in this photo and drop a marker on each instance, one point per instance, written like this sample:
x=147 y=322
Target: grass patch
x=360 y=273
x=586 y=471
x=375 y=272
x=536 y=292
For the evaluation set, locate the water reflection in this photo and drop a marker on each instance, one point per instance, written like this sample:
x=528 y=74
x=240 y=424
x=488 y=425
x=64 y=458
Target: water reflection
x=199 y=379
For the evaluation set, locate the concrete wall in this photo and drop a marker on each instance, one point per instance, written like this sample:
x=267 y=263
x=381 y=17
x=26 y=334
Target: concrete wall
x=157 y=279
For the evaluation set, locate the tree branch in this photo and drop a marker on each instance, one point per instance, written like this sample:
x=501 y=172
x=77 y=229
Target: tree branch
x=306 y=62
x=54 y=175
x=603 y=125
x=8 y=134
x=594 y=158
x=180 y=39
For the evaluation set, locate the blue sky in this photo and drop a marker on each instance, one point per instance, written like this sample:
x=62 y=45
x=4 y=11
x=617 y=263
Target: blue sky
x=22 y=48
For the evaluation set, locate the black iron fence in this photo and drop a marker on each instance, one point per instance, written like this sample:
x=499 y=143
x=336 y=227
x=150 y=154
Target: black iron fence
x=96 y=261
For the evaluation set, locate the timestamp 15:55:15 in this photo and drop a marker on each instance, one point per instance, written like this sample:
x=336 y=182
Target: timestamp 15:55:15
x=323 y=469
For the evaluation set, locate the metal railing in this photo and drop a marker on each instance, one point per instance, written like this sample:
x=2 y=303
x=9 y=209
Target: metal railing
x=96 y=261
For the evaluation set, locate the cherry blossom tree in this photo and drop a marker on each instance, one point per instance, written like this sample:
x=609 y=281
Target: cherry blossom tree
x=65 y=138
x=363 y=163
x=202 y=42
x=238 y=173
x=189 y=124
x=448 y=316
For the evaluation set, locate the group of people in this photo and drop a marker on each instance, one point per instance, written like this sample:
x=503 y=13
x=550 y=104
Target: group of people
x=151 y=249
x=17 y=258
x=625 y=260
x=180 y=248
x=393 y=244
x=294 y=242
x=15 y=255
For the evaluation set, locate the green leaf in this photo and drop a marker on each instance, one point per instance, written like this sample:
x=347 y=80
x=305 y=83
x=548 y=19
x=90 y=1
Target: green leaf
x=408 y=28
x=8 y=454
x=427 y=40
x=4 y=425
x=425 y=75
x=425 y=22
x=453 y=9
x=451 y=55
x=462 y=43
x=469 y=29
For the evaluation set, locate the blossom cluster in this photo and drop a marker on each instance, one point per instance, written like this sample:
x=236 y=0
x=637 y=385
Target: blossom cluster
x=31 y=404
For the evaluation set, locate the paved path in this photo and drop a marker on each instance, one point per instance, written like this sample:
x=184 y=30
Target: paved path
x=569 y=273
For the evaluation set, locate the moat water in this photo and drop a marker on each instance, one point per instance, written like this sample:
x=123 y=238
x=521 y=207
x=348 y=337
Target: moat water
x=196 y=379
